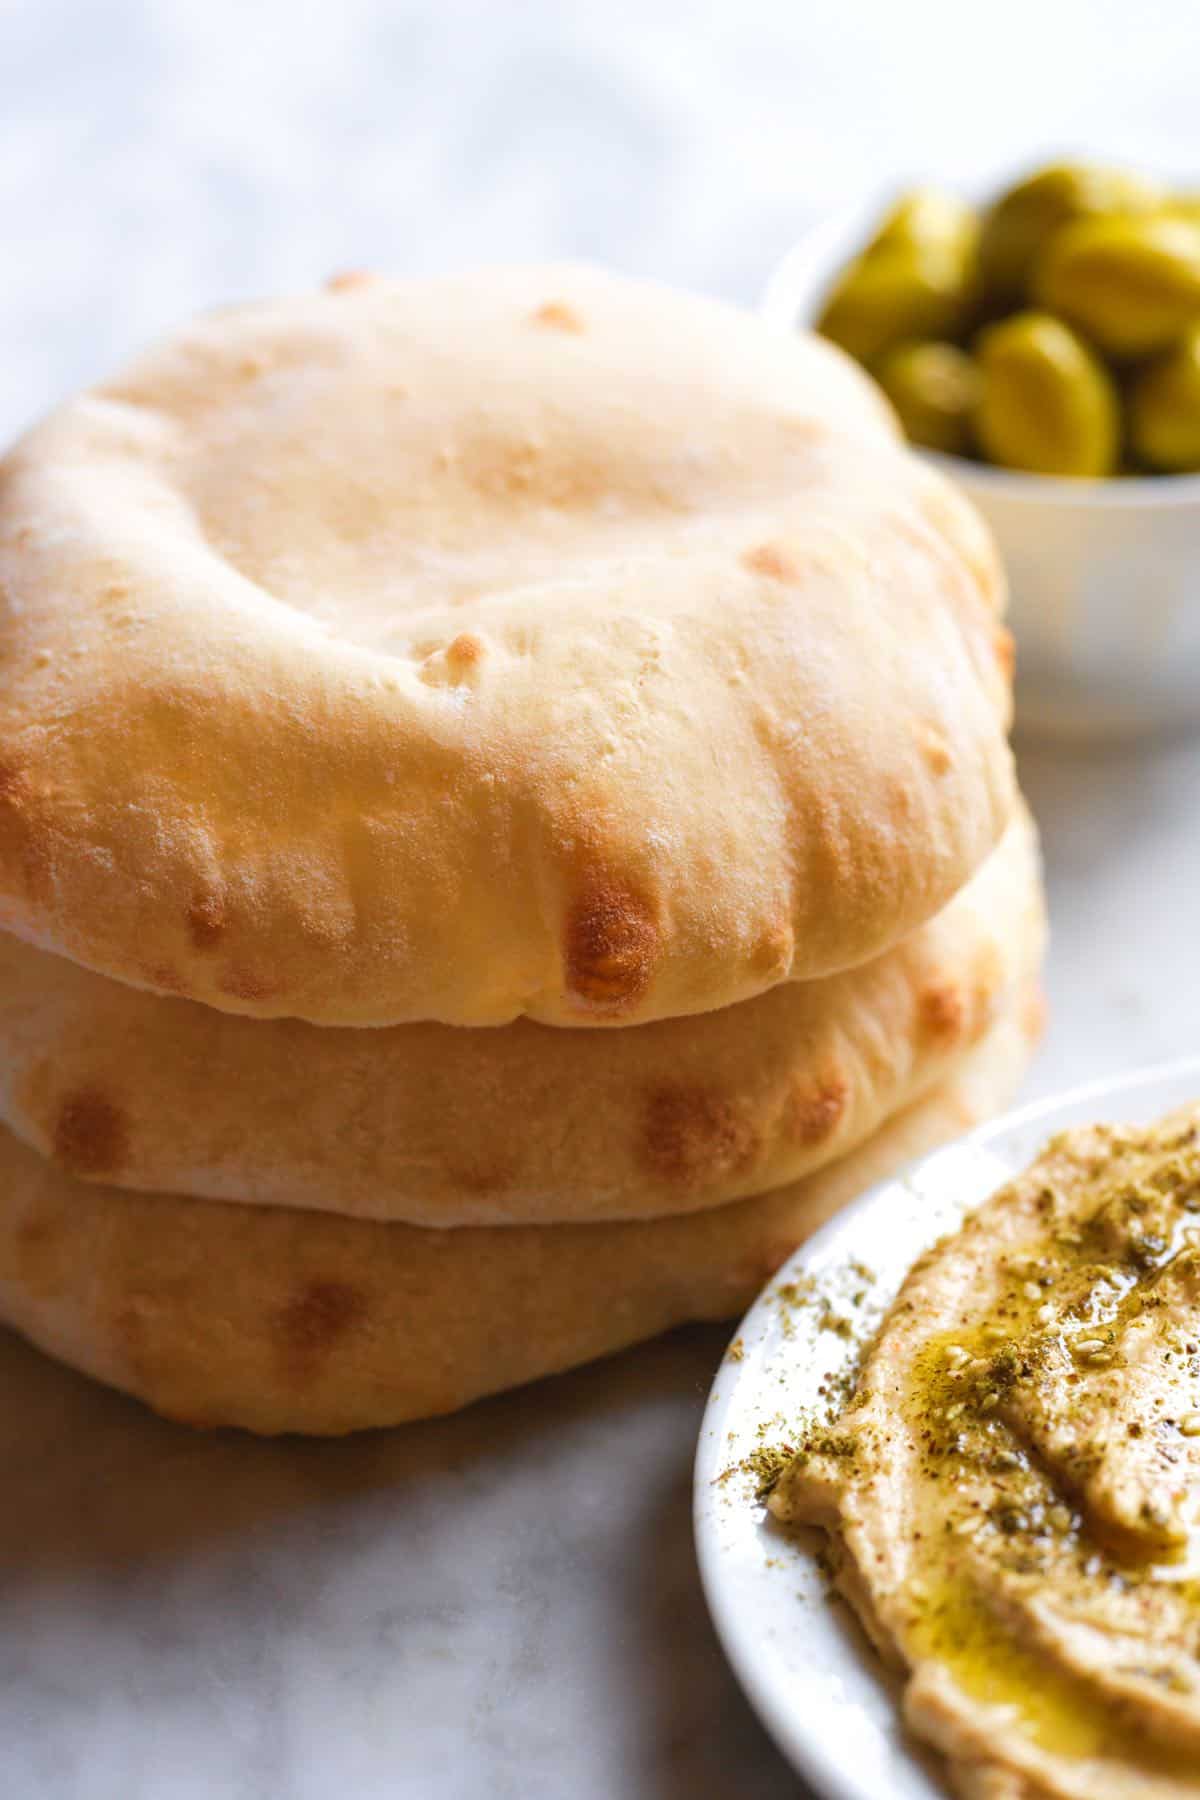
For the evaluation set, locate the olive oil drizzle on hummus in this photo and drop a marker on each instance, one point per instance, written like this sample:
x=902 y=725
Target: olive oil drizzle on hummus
x=1013 y=1490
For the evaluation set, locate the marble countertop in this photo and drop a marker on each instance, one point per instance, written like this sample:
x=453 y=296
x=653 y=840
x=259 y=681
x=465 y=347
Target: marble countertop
x=505 y=1603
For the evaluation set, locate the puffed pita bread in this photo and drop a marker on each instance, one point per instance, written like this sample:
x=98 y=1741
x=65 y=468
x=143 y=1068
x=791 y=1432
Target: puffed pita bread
x=529 y=642
x=285 y=1321
x=520 y=1124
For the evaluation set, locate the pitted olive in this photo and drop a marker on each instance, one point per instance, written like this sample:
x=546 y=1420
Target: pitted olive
x=927 y=216
x=1131 y=285
x=895 y=292
x=933 y=389
x=1046 y=403
x=1164 y=409
x=1017 y=227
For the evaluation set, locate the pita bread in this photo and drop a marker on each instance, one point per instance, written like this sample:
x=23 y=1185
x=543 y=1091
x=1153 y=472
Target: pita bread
x=520 y=1124
x=531 y=642
x=288 y=1321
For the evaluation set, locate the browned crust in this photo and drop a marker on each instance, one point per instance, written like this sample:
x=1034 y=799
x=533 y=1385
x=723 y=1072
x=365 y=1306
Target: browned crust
x=693 y=1135
x=611 y=941
x=557 y=315
x=91 y=1134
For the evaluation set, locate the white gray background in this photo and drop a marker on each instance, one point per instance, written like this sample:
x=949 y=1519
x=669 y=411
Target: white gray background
x=161 y=155
x=505 y=1604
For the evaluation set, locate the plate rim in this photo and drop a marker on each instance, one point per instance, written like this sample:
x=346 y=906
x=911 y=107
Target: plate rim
x=804 y=1749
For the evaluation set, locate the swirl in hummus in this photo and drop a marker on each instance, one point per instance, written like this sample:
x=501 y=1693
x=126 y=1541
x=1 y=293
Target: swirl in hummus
x=1013 y=1490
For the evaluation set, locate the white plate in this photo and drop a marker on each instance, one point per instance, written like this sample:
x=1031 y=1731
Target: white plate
x=805 y=1666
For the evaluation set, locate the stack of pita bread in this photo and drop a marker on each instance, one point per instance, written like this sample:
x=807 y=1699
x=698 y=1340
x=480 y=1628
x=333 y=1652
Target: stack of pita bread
x=505 y=822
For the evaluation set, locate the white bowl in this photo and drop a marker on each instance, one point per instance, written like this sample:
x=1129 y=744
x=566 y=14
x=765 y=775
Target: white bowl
x=1104 y=575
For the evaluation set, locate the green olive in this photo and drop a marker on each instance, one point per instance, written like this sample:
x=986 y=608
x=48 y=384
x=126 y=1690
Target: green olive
x=927 y=216
x=1183 y=206
x=1131 y=285
x=895 y=292
x=1164 y=409
x=1046 y=403
x=932 y=387
x=1017 y=226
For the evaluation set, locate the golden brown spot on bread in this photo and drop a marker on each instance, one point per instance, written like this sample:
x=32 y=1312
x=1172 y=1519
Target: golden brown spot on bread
x=772 y=560
x=453 y=664
x=988 y=979
x=483 y=1178
x=556 y=315
x=692 y=1135
x=933 y=747
x=558 y=475
x=206 y=920
x=244 y=984
x=1006 y=651
x=816 y=1109
x=346 y=280
x=465 y=650
x=318 y=1315
x=91 y=1134
x=943 y=1010
x=162 y=978
x=34 y=1231
x=508 y=470
x=772 y=955
x=611 y=940
x=1033 y=1012
x=37 y=1244
x=900 y=796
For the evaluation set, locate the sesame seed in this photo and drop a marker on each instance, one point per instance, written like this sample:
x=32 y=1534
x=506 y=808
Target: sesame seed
x=1190 y=1427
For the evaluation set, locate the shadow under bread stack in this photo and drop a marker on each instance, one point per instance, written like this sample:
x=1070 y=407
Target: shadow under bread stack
x=505 y=822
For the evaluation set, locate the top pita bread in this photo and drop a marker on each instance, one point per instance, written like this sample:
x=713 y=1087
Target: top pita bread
x=526 y=642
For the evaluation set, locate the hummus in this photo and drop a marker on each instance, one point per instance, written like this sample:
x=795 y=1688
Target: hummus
x=1013 y=1489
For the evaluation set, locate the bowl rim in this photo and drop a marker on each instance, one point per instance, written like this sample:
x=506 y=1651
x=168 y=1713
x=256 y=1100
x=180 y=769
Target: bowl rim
x=790 y=295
